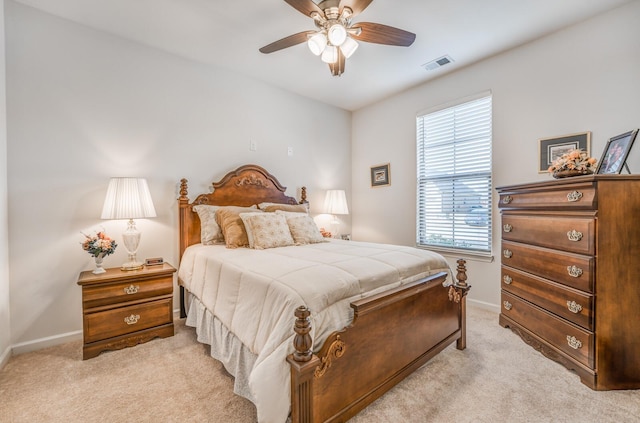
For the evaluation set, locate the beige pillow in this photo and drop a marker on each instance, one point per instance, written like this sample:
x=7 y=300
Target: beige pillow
x=304 y=230
x=228 y=218
x=271 y=207
x=247 y=225
x=268 y=230
x=210 y=232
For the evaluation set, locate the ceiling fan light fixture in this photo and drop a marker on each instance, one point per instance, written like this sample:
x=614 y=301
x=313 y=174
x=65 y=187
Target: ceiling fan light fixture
x=317 y=43
x=337 y=34
x=330 y=54
x=349 y=47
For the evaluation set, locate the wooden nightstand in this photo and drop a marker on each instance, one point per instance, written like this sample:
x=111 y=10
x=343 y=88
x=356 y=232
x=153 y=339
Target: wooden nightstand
x=125 y=308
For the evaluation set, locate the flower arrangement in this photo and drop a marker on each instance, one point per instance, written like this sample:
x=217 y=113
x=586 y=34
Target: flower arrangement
x=576 y=160
x=99 y=244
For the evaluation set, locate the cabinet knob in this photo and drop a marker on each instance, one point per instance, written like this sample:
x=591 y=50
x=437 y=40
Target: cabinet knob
x=507 y=199
x=507 y=253
x=574 y=196
x=574 y=271
x=131 y=289
x=507 y=305
x=573 y=342
x=574 y=235
x=507 y=279
x=574 y=307
x=132 y=320
x=507 y=228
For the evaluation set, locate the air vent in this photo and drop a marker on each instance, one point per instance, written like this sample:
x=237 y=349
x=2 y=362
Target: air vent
x=439 y=62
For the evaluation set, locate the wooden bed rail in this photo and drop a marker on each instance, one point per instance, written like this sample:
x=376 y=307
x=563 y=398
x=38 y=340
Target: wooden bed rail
x=392 y=334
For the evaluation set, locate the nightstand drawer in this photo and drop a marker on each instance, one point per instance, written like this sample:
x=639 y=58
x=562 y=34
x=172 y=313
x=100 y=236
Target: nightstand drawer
x=573 y=341
x=123 y=320
x=105 y=294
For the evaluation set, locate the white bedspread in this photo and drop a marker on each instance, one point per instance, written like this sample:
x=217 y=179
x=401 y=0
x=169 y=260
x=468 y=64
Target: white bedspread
x=254 y=294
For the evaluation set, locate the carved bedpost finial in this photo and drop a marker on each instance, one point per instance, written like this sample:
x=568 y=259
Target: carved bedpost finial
x=303 y=196
x=302 y=340
x=183 y=190
x=462 y=273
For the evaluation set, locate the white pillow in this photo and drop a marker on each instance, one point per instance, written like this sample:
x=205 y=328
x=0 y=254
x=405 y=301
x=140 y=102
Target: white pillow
x=247 y=225
x=210 y=232
x=268 y=230
x=304 y=230
x=271 y=207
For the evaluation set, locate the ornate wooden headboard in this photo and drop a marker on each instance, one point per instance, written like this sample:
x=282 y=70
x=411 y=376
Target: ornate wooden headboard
x=245 y=186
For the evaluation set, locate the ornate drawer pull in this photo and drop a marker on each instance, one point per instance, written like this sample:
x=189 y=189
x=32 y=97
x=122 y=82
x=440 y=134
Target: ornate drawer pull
x=507 y=305
x=574 y=196
x=132 y=320
x=131 y=289
x=574 y=235
x=507 y=228
x=507 y=199
x=507 y=279
x=574 y=307
x=507 y=253
x=574 y=271
x=573 y=342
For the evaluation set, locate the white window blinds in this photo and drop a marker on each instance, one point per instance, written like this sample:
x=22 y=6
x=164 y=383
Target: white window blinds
x=454 y=178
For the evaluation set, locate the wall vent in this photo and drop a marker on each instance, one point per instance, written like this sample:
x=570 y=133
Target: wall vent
x=437 y=63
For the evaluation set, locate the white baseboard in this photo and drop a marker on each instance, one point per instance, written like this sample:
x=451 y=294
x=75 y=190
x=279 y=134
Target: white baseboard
x=484 y=305
x=4 y=358
x=49 y=341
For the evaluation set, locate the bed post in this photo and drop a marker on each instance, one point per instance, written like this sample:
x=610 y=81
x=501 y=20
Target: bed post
x=183 y=202
x=458 y=293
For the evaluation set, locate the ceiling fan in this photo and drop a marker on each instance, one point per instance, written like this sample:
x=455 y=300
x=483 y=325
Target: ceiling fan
x=335 y=38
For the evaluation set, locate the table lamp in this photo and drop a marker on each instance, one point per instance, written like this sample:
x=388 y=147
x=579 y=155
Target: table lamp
x=335 y=202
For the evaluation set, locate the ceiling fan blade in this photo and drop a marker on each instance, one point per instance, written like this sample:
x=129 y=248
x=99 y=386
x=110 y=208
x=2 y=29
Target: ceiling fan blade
x=337 y=68
x=289 y=41
x=357 y=6
x=305 y=7
x=383 y=34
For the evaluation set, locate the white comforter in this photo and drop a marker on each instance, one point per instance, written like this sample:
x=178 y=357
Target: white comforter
x=254 y=293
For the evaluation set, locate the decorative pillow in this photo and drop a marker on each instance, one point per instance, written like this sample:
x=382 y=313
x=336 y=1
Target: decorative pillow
x=210 y=232
x=268 y=230
x=228 y=218
x=304 y=230
x=271 y=207
x=247 y=225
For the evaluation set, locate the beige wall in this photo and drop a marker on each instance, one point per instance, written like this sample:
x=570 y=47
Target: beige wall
x=583 y=78
x=84 y=106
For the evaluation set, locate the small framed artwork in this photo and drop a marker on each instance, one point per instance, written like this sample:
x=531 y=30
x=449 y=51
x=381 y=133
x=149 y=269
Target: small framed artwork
x=380 y=175
x=616 y=152
x=550 y=149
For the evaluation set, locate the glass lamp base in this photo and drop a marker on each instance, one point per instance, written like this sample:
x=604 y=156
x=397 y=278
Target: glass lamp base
x=132 y=265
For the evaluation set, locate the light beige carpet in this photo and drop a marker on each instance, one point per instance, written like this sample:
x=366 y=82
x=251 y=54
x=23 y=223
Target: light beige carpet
x=498 y=378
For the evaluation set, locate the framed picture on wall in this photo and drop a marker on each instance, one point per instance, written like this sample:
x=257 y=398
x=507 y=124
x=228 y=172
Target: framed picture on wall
x=550 y=149
x=616 y=152
x=380 y=175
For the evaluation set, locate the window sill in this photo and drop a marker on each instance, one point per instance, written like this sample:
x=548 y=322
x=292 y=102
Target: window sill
x=455 y=253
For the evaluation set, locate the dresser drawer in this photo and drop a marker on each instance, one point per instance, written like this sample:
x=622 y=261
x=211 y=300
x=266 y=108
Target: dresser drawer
x=572 y=234
x=575 y=342
x=577 y=196
x=576 y=271
x=573 y=305
x=105 y=294
x=123 y=320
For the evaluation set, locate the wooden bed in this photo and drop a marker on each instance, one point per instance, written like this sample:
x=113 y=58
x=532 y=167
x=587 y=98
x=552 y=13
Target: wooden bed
x=392 y=333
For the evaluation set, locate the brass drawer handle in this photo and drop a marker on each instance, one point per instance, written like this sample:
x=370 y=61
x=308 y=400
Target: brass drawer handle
x=507 y=199
x=574 y=196
x=574 y=271
x=132 y=320
x=574 y=307
x=507 y=279
x=574 y=235
x=507 y=228
x=507 y=305
x=131 y=289
x=507 y=253
x=573 y=342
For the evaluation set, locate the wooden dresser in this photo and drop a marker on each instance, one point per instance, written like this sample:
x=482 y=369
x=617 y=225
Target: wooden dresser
x=124 y=308
x=570 y=274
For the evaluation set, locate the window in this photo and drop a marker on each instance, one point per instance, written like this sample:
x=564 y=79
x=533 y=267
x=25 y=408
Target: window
x=454 y=178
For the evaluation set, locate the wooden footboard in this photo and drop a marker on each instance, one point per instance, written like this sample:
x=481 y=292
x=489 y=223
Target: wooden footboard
x=392 y=335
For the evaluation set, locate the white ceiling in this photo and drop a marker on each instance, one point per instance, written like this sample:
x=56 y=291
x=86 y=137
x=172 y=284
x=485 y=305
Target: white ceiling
x=229 y=33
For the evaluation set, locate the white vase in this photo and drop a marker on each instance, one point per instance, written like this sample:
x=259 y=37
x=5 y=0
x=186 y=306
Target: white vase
x=99 y=268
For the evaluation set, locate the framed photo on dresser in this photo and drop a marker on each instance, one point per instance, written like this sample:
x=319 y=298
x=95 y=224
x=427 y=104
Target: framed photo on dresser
x=616 y=152
x=550 y=149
